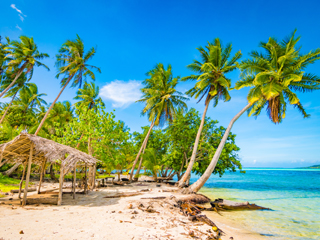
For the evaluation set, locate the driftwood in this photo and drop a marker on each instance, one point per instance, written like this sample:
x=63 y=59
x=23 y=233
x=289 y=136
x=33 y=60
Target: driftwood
x=145 y=190
x=148 y=209
x=118 y=183
x=118 y=195
x=29 y=190
x=193 y=211
x=154 y=198
x=222 y=204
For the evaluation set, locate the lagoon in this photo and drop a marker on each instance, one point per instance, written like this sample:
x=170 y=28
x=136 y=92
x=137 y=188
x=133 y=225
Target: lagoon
x=293 y=194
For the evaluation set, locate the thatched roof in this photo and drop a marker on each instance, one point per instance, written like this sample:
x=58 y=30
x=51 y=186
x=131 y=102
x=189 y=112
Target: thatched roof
x=18 y=150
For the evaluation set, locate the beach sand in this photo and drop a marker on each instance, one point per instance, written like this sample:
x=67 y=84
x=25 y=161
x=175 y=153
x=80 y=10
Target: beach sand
x=93 y=216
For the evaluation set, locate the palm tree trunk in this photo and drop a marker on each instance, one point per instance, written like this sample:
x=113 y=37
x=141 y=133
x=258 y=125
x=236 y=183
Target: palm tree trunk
x=185 y=176
x=182 y=164
x=47 y=113
x=139 y=153
x=15 y=79
x=202 y=180
x=11 y=170
x=5 y=113
x=136 y=176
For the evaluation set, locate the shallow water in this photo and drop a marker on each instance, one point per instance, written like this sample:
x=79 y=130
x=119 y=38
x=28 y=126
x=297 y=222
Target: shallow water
x=293 y=194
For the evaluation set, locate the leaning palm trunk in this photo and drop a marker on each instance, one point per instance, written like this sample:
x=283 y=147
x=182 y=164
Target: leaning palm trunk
x=201 y=181
x=54 y=102
x=15 y=79
x=5 y=113
x=139 y=153
x=181 y=182
x=11 y=170
x=136 y=176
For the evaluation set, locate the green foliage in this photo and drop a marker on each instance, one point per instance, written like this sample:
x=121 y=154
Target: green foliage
x=152 y=161
x=182 y=133
x=98 y=134
x=104 y=176
x=7 y=183
x=7 y=132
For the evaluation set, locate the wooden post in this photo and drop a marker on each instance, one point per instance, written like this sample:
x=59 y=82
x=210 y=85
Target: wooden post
x=24 y=202
x=94 y=176
x=41 y=174
x=85 y=179
x=74 y=180
x=21 y=182
x=61 y=183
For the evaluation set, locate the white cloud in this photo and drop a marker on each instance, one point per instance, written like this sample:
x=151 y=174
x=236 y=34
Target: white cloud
x=254 y=161
x=17 y=26
x=21 y=18
x=21 y=15
x=121 y=93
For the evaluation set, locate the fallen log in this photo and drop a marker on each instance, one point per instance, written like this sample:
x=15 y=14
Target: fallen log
x=154 y=198
x=52 y=201
x=222 y=204
x=118 y=183
x=119 y=195
x=29 y=190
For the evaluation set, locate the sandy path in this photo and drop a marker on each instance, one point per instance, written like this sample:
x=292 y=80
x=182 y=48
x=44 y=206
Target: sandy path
x=93 y=216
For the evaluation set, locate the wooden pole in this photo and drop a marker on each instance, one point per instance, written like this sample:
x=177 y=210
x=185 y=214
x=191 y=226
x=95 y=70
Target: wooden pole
x=41 y=174
x=94 y=176
x=74 y=180
x=24 y=202
x=61 y=183
x=21 y=182
x=85 y=179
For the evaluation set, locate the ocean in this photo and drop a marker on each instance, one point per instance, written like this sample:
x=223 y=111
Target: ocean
x=292 y=194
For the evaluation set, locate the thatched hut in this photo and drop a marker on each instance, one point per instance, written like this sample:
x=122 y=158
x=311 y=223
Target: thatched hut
x=27 y=149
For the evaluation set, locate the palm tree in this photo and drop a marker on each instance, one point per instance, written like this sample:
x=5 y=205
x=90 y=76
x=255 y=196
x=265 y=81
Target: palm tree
x=162 y=100
x=72 y=65
x=62 y=113
x=23 y=55
x=3 y=53
x=29 y=100
x=212 y=84
x=273 y=76
x=13 y=91
x=89 y=96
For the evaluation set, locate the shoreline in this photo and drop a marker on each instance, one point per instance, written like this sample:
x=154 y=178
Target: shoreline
x=94 y=216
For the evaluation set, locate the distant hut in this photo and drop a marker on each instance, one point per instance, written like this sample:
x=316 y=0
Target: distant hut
x=27 y=149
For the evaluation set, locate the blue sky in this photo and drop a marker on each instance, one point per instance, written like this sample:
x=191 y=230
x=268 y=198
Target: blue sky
x=132 y=36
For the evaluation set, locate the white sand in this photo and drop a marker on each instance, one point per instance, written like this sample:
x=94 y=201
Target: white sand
x=94 y=217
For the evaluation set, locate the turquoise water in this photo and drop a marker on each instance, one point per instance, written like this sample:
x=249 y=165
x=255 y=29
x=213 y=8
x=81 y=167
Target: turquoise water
x=293 y=194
